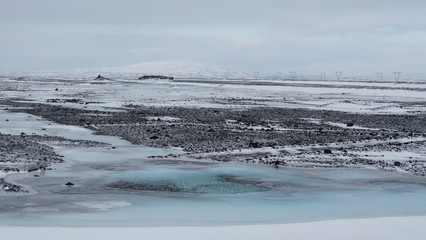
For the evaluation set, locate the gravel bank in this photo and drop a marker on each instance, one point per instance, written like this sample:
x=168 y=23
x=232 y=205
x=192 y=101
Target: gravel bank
x=279 y=136
x=32 y=153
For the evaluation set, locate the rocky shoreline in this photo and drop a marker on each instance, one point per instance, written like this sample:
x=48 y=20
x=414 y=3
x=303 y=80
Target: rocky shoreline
x=277 y=136
x=32 y=153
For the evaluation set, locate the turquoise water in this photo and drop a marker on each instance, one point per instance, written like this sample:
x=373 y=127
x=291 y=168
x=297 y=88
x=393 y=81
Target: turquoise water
x=250 y=194
x=179 y=192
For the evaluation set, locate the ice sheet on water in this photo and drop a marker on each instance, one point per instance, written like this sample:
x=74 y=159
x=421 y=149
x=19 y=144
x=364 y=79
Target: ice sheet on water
x=169 y=193
x=200 y=181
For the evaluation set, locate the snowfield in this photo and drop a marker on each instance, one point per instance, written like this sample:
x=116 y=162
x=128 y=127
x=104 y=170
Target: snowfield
x=351 y=229
x=210 y=155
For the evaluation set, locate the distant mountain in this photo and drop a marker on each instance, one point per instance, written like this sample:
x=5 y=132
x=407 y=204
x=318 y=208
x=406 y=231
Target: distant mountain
x=172 y=68
x=188 y=69
x=134 y=71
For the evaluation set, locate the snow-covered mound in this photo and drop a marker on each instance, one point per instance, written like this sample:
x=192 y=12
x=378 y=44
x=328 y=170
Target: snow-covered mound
x=184 y=69
x=172 y=68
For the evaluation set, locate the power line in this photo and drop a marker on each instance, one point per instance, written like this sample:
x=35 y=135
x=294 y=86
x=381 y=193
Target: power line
x=396 y=75
x=256 y=75
x=338 y=75
x=278 y=76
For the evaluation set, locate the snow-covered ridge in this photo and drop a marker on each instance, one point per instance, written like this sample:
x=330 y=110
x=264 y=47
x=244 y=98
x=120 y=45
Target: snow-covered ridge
x=202 y=70
x=184 y=69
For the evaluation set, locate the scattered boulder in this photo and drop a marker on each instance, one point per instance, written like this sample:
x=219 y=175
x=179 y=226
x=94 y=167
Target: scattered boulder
x=350 y=124
x=254 y=144
x=328 y=151
x=397 y=164
x=69 y=184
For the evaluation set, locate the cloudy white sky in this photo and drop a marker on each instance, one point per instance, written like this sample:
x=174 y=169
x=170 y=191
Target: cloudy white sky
x=359 y=36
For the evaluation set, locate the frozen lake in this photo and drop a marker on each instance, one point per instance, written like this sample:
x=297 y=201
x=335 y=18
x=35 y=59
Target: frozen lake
x=144 y=192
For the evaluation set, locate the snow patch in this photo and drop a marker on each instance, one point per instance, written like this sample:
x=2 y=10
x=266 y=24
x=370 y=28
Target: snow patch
x=391 y=228
x=103 y=205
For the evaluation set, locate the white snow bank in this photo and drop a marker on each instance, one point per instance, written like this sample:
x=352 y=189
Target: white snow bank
x=3 y=174
x=102 y=205
x=375 y=228
x=179 y=68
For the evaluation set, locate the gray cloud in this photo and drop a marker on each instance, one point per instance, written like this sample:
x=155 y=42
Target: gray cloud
x=305 y=35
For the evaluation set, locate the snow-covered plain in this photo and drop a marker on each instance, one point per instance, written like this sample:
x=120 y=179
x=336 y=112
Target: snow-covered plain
x=89 y=165
x=350 y=229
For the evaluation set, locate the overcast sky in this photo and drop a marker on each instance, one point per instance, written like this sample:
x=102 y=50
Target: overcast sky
x=359 y=36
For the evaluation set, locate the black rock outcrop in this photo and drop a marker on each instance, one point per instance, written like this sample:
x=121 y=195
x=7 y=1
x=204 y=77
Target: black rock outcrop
x=146 y=77
x=99 y=77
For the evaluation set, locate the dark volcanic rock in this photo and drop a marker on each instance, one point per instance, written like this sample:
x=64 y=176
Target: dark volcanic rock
x=253 y=144
x=25 y=153
x=350 y=124
x=11 y=188
x=155 y=77
x=99 y=77
x=327 y=151
x=211 y=130
x=30 y=153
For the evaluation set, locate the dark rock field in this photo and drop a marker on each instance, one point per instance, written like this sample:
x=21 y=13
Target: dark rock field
x=277 y=136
